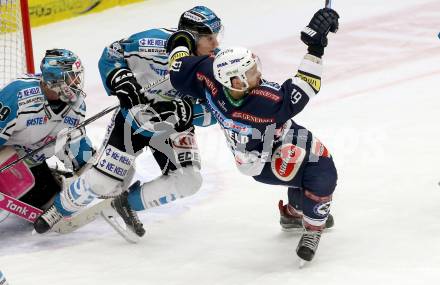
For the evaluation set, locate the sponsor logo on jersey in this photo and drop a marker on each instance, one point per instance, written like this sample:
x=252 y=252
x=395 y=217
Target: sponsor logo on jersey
x=36 y=121
x=185 y=141
x=153 y=51
x=266 y=94
x=272 y=85
x=222 y=105
x=25 y=93
x=236 y=138
x=71 y=121
x=159 y=71
x=251 y=118
x=319 y=149
x=31 y=100
x=287 y=160
x=151 y=42
x=209 y=83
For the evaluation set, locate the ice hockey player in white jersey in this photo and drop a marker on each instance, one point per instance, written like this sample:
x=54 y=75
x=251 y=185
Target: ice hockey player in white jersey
x=34 y=110
x=126 y=66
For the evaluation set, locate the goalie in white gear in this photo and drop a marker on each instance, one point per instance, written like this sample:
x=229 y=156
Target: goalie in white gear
x=125 y=66
x=34 y=110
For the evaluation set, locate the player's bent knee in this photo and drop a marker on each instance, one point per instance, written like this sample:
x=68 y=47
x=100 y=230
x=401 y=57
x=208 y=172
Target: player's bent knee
x=188 y=181
x=99 y=183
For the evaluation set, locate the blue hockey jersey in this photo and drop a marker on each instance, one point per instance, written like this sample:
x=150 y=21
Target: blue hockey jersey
x=145 y=55
x=252 y=124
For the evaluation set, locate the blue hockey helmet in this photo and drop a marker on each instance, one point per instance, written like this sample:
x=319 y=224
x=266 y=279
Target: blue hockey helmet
x=62 y=72
x=200 y=20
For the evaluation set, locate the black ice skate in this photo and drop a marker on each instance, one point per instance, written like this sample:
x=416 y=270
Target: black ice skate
x=292 y=221
x=47 y=220
x=308 y=244
x=130 y=217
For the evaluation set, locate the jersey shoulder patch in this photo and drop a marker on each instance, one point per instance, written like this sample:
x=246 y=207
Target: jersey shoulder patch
x=273 y=85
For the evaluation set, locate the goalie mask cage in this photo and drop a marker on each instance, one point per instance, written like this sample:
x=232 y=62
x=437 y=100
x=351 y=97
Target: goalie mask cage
x=15 y=40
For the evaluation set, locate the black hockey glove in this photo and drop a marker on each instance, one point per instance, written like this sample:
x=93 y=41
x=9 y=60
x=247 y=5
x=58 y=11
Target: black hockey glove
x=123 y=84
x=314 y=35
x=182 y=38
x=174 y=114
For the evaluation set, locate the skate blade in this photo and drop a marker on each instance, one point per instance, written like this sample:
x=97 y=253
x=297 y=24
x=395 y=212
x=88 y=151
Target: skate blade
x=301 y=230
x=292 y=230
x=110 y=216
x=302 y=263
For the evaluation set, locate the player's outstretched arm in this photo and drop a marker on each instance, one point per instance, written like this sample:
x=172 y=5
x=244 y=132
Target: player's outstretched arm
x=307 y=82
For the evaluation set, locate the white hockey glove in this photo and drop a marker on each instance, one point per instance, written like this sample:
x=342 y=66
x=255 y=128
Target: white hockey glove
x=250 y=163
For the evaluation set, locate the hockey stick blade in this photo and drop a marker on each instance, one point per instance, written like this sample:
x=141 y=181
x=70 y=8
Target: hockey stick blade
x=89 y=215
x=83 y=218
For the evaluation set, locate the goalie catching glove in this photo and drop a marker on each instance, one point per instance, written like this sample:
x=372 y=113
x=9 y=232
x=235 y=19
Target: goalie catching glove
x=166 y=115
x=315 y=34
x=123 y=84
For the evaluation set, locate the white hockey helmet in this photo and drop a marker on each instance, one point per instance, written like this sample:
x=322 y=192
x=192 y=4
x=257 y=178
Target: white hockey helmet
x=236 y=62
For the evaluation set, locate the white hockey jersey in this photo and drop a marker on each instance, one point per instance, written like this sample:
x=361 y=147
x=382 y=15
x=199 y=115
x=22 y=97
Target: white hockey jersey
x=27 y=122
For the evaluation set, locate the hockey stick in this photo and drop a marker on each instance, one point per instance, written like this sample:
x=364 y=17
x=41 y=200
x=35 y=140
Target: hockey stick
x=66 y=225
x=328 y=3
x=83 y=124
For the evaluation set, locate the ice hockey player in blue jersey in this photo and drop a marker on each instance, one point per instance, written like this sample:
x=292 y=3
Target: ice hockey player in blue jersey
x=35 y=109
x=256 y=116
x=126 y=66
